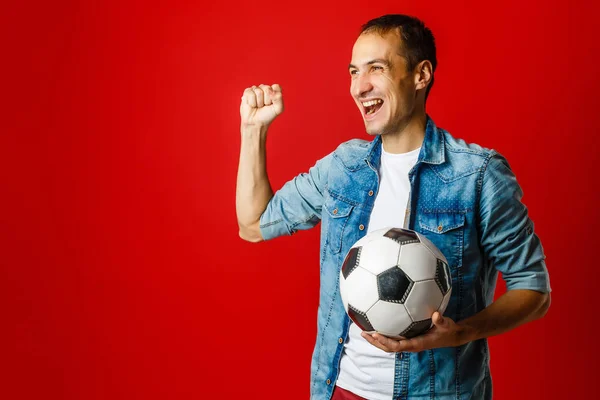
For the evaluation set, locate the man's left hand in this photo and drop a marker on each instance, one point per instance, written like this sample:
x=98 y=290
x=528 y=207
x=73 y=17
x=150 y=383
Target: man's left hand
x=444 y=333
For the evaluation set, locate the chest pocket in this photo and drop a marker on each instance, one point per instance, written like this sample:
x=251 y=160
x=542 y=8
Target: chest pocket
x=446 y=231
x=338 y=214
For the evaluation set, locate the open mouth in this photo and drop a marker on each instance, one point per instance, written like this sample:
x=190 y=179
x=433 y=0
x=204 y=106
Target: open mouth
x=372 y=106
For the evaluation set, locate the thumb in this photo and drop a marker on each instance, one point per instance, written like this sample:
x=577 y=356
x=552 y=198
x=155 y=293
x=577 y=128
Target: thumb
x=276 y=94
x=277 y=98
x=438 y=320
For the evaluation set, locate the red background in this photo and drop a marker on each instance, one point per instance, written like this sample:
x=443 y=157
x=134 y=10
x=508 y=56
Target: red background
x=122 y=275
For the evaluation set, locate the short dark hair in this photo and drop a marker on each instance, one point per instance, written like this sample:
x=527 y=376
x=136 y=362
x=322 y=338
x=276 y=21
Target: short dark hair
x=417 y=40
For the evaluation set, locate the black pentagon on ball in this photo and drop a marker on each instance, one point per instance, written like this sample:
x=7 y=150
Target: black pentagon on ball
x=442 y=276
x=402 y=236
x=393 y=285
x=360 y=319
x=351 y=261
x=416 y=328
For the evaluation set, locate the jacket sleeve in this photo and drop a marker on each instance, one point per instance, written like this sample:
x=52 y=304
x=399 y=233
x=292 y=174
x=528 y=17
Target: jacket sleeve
x=297 y=205
x=507 y=235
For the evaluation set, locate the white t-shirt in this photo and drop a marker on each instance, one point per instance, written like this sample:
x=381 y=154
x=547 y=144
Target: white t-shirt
x=364 y=369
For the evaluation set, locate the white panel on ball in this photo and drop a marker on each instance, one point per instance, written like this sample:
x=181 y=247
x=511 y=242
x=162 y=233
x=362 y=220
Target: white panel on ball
x=379 y=255
x=432 y=247
x=417 y=262
x=361 y=289
x=370 y=237
x=389 y=318
x=423 y=300
x=364 y=240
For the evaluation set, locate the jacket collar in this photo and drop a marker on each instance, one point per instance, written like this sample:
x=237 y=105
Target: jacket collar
x=432 y=149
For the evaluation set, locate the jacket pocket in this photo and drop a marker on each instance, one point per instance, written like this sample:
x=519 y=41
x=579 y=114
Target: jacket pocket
x=446 y=231
x=338 y=213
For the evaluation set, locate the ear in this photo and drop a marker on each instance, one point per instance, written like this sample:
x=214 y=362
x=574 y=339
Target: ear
x=423 y=74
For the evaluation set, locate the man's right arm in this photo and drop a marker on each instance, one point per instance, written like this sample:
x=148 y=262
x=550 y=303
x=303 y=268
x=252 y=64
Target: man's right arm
x=253 y=190
x=259 y=107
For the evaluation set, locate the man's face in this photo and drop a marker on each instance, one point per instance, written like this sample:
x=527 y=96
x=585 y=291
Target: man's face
x=382 y=88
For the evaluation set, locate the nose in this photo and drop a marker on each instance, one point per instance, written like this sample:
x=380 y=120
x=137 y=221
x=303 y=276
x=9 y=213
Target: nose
x=361 y=86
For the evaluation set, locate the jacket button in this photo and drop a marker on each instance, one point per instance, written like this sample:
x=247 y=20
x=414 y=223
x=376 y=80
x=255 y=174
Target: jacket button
x=340 y=340
x=370 y=193
x=440 y=228
x=334 y=211
x=401 y=356
x=361 y=227
x=329 y=381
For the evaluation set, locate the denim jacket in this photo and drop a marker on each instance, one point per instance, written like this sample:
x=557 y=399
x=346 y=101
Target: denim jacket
x=466 y=200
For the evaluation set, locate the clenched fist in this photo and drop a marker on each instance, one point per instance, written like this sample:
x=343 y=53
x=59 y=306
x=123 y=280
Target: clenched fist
x=261 y=105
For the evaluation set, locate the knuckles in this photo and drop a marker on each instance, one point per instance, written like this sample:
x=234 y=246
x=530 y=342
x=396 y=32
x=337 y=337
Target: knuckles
x=264 y=88
x=259 y=96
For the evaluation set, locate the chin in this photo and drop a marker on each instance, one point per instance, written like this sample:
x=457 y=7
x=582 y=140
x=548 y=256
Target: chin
x=373 y=129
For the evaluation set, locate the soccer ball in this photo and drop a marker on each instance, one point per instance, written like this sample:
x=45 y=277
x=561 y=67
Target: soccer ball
x=392 y=281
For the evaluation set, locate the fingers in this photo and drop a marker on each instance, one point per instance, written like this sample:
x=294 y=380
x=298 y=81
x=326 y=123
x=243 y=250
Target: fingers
x=375 y=342
x=249 y=97
x=266 y=92
x=394 y=345
x=397 y=345
x=260 y=99
x=391 y=344
x=387 y=344
x=442 y=334
x=262 y=95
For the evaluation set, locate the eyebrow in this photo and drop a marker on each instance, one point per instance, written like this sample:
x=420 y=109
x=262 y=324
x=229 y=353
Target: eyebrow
x=375 y=61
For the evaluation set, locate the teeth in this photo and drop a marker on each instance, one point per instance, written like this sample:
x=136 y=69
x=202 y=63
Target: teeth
x=372 y=102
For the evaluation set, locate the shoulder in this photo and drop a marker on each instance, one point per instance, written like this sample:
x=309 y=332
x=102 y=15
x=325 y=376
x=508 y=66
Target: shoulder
x=353 y=146
x=352 y=153
x=463 y=158
x=459 y=147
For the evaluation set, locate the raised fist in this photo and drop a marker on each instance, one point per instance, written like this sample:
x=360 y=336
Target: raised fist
x=261 y=105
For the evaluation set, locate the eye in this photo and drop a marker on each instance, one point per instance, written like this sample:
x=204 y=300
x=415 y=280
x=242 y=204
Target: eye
x=377 y=68
x=353 y=72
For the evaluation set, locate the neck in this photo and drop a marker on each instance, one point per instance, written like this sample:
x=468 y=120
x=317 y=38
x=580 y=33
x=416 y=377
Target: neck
x=409 y=137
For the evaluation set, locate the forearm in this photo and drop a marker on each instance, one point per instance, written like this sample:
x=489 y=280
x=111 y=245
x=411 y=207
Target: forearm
x=513 y=308
x=253 y=190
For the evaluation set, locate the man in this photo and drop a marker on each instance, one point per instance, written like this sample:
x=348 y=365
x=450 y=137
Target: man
x=462 y=197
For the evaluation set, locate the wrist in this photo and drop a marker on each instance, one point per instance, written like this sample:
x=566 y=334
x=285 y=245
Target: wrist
x=466 y=333
x=254 y=130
